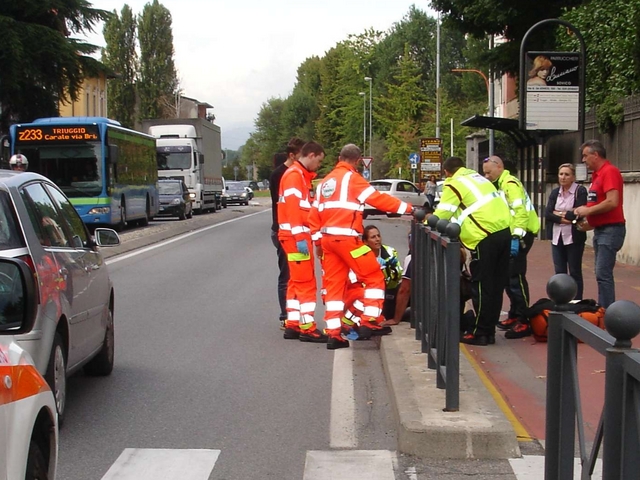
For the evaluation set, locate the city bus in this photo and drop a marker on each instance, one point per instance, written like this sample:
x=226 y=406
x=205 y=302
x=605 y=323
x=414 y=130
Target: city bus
x=108 y=172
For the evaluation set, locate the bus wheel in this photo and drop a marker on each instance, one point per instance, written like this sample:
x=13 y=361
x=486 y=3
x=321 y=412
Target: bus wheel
x=123 y=216
x=147 y=214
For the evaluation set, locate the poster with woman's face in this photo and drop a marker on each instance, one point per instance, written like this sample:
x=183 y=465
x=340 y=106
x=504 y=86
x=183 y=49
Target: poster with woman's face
x=552 y=90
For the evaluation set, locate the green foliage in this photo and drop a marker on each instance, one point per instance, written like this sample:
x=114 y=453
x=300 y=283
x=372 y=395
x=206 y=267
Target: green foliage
x=40 y=63
x=505 y=18
x=158 y=84
x=609 y=114
x=120 y=56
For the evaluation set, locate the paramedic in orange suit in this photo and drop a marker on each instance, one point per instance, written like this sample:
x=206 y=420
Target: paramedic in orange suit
x=336 y=222
x=294 y=202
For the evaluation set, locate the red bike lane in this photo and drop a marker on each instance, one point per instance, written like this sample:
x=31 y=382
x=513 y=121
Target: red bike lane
x=517 y=369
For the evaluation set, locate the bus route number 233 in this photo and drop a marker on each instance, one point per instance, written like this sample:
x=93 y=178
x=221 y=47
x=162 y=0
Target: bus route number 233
x=30 y=134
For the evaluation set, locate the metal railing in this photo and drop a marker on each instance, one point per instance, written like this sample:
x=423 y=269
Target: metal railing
x=435 y=301
x=619 y=426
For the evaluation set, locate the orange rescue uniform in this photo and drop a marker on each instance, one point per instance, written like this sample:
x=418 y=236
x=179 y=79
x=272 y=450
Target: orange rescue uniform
x=336 y=221
x=294 y=203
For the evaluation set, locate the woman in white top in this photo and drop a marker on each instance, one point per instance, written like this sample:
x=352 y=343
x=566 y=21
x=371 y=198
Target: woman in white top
x=430 y=189
x=567 y=241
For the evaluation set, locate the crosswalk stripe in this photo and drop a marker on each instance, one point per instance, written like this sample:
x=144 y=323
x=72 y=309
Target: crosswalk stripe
x=349 y=465
x=162 y=464
x=531 y=467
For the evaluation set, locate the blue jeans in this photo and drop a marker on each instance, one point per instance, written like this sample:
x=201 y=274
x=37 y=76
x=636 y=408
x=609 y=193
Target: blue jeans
x=607 y=240
x=571 y=256
x=283 y=276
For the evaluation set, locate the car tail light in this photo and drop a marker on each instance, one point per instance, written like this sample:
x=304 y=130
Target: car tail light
x=29 y=261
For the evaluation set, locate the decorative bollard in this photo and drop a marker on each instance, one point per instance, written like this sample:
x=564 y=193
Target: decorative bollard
x=562 y=288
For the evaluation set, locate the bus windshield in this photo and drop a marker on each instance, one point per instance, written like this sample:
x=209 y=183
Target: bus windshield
x=74 y=168
x=174 y=158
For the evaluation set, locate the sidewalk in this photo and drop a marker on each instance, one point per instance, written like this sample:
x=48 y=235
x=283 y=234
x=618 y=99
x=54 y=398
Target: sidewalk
x=503 y=386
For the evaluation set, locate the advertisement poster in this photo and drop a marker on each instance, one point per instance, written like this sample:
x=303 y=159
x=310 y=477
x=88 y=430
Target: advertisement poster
x=553 y=91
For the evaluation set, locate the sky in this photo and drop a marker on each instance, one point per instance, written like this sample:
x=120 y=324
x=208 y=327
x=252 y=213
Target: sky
x=236 y=54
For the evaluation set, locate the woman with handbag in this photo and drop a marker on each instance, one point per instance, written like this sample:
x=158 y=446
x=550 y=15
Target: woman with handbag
x=567 y=239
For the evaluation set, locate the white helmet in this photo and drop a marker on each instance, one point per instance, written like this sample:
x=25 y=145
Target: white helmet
x=19 y=159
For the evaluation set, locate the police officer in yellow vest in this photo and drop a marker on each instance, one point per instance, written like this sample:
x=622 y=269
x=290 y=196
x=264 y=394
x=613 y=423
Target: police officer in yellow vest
x=472 y=201
x=524 y=227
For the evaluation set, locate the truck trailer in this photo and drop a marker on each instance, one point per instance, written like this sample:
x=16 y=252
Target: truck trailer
x=190 y=149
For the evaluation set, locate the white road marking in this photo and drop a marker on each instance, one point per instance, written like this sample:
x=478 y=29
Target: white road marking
x=531 y=467
x=349 y=465
x=177 y=239
x=342 y=423
x=162 y=464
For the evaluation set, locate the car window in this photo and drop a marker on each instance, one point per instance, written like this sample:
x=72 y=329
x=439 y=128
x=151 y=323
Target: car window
x=382 y=186
x=169 y=188
x=45 y=218
x=10 y=235
x=11 y=297
x=74 y=222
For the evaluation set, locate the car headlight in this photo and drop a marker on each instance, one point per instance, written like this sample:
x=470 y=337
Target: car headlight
x=192 y=195
x=175 y=201
x=226 y=195
x=243 y=194
x=99 y=210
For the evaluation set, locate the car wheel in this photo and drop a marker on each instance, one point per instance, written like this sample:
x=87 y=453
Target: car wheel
x=102 y=364
x=183 y=214
x=224 y=204
x=147 y=215
x=36 y=463
x=56 y=376
x=190 y=214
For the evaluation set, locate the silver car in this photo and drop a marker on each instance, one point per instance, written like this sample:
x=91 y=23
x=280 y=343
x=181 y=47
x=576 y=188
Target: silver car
x=401 y=189
x=74 y=322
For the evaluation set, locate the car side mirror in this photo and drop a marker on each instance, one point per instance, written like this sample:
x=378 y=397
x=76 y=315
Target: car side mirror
x=106 y=237
x=18 y=301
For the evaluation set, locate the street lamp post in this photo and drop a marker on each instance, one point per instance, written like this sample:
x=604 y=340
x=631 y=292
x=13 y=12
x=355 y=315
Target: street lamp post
x=370 y=80
x=489 y=96
x=364 y=121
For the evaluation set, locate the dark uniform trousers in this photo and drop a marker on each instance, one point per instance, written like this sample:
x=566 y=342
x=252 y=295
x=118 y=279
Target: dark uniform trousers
x=489 y=277
x=518 y=288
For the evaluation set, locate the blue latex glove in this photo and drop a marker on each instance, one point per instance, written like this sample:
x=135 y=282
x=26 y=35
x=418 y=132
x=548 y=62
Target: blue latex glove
x=392 y=262
x=302 y=247
x=381 y=261
x=515 y=247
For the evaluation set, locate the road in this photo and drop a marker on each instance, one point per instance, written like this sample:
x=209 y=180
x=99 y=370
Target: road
x=201 y=364
x=205 y=387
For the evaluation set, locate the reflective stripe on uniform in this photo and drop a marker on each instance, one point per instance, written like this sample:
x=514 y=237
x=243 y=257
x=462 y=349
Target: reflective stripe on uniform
x=479 y=203
x=298 y=230
x=340 y=204
x=335 y=306
x=308 y=307
x=284 y=226
x=374 y=293
x=517 y=203
x=293 y=315
x=372 y=312
x=292 y=191
x=298 y=257
x=348 y=232
x=294 y=304
x=366 y=194
x=352 y=277
x=360 y=251
x=519 y=232
x=316 y=236
x=447 y=207
x=333 y=323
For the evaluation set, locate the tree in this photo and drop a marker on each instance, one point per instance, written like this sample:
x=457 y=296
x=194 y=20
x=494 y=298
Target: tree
x=120 y=56
x=41 y=63
x=505 y=18
x=158 y=82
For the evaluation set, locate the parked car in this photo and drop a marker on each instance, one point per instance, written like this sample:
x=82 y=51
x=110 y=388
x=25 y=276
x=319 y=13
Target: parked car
x=174 y=199
x=402 y=189
x=236 y=193
x=74 y=322
x=28 y=420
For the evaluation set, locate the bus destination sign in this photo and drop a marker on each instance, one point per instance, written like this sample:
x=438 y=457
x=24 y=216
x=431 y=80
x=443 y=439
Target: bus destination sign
x=57 y=134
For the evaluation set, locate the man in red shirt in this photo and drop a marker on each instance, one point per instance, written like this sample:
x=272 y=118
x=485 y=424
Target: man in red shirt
x=604 y=213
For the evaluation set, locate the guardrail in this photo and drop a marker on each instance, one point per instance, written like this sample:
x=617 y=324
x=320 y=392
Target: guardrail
x=619 y=427
x=435 y=301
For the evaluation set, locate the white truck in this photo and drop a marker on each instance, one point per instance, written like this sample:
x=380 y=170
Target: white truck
x=190 y=149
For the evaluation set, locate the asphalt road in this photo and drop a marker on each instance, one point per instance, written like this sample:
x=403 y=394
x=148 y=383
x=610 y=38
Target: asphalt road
x=204 y=385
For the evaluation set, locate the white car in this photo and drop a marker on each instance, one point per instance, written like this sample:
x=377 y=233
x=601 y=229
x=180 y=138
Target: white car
x=401 y=189
x=28 y=418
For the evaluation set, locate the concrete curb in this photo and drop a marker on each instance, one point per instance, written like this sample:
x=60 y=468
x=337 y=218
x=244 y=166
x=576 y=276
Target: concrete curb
x=479 y=430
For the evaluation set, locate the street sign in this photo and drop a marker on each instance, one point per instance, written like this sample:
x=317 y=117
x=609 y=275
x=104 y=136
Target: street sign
x=430 y=167
x=366 y=161
x=414 y=166
x=366 y=175
x=413 y=158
